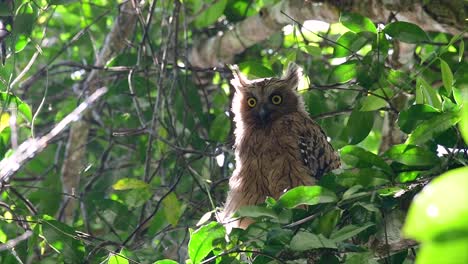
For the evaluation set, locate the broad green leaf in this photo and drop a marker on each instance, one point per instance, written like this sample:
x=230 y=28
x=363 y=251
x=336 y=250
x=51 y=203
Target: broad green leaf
x=255 y=69
x=312 y=50
x=166 y=261
x=357 y=22
x=129 y=184
x=429 y=129
x=360 y=258
x=348 y=232
x=239 y=10
x=201 y=241
x=408 y=176
x=4 y=121
x=117 y=258
x=350 y=43
x=359 y=125
x=367 y=177
x=406 y=32
x=351 y=191
x=305 y=241
x=373 y=102
x=256 y=211
x=11 y=101
x=343 y=72
x=358 y=157
x=174 y=209
x=220 y=127
x=410 y=118
x=328 y=222
x=211 y=13
x=427 y=93
x=440 y=208
x=451 y=251
x=21 y=43
x=136 y=197
x=308 y=195
x=412 y=155
x=447 y=76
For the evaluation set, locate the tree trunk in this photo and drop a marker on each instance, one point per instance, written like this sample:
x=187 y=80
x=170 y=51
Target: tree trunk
x=73 y=164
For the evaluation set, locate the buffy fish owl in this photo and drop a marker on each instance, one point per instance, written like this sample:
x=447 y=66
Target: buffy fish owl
x=277 y=145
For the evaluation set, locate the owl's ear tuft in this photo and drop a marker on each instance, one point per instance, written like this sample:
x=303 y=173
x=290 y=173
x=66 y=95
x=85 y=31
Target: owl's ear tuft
x=292 y=75
x=239 y=81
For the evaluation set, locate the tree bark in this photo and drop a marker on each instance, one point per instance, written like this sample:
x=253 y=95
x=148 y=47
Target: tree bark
x=435 y=15
x=73 y=163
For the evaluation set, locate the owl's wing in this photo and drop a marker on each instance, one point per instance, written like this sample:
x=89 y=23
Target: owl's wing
x=316 y=152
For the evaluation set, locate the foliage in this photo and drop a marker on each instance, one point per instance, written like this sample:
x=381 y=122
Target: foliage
x=148 y=196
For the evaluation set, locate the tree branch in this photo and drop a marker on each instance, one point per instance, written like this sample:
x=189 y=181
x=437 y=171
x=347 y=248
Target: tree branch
x=220 y=49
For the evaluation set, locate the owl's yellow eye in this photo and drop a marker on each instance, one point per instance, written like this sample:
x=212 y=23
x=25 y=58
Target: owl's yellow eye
x=276 y=99
x=251 y=101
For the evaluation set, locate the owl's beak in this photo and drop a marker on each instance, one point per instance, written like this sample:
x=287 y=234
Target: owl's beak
x=264 y=114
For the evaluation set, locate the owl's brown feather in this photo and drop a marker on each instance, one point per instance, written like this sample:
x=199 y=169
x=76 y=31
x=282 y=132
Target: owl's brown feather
x=277 y=151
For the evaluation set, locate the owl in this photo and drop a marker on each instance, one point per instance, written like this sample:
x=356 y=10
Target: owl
x=277 y=145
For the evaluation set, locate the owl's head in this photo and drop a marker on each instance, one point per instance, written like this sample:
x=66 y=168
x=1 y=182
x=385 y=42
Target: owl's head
x=260 y=102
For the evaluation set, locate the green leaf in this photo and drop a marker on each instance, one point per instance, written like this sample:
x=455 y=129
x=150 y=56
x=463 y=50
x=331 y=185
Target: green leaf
x=429 y=129
x=427 y=94
x=410 y=118
x=358 y=157
x=412 y=155
x=439 y=208
x=175 y=209
x=312 y=50
x=239 y=10
x=328 y=222
x=4 y=121
x=212 y=11
x=305 y=241
x=11 y=101
x=406 y=32
x=359 y=126
x=129 y=184
x=447 y=76
x=360 y=258
x=348 y=232
x=453 y=251
x=350 y=43
x=255 y=69
x=357 y=22
x=367 y=177
x=201 y=241
x=374 y=102
x=117 y=258
x=308 y=195
x=220 y=127
x=343 y=72
x=166 y=261
x=257 y=211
